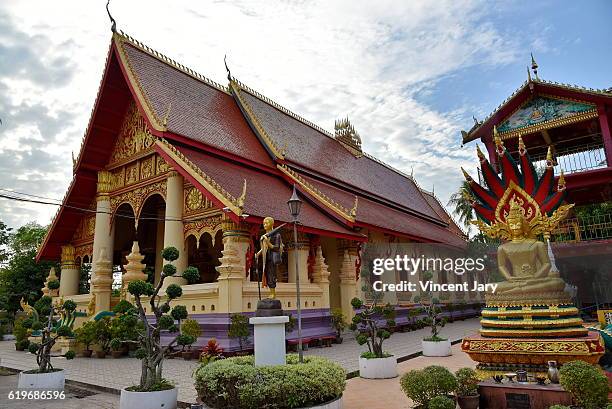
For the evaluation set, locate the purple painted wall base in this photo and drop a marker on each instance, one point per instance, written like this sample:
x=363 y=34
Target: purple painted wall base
x=315 y=323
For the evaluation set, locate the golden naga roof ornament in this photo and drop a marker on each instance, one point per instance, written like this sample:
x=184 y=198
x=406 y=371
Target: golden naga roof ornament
x=242 y=197
x=345 y=133
x=519 y=188
x=354 y=209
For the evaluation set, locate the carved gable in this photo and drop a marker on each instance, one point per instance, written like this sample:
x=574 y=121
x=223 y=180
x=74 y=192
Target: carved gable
x=134 y=137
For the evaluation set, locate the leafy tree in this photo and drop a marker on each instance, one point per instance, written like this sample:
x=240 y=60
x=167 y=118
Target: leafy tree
x=4 y=241
x=239 y=328
x=461 y=205
x=23 y=276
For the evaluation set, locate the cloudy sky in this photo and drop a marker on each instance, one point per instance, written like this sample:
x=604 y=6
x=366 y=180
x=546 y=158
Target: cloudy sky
x=410 y=75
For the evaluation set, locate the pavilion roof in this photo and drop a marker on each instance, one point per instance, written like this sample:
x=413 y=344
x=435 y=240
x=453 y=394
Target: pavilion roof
x=533 y=86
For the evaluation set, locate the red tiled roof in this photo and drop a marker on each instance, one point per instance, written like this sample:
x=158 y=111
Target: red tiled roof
x=321 y=153
x=194 y=108
x=267 y=194
x=439 y=209
x=374 y=213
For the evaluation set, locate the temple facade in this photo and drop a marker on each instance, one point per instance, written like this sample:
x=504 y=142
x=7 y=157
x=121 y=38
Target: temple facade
x=171 y=158
x=570 y=127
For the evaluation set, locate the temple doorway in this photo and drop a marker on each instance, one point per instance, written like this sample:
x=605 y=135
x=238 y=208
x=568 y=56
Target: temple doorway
x=204 y=254
x=150 y=235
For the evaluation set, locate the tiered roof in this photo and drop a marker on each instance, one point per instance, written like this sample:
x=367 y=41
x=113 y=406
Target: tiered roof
x=218 y=137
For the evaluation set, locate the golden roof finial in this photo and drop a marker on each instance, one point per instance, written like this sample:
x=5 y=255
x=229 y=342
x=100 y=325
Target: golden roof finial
x=549 y=157
x=528 y=75
x=240 y=200
x=354 y=209
x=534 y=67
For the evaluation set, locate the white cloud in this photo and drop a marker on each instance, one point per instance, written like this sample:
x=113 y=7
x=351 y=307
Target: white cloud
x=322 y=59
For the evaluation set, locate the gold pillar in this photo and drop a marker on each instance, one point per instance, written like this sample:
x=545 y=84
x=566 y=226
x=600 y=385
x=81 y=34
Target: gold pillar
x=173 y=226
x=320 y=276
x=134 y=267
x=103 y=237
x=232 y=269
x=101 y=284
x=69 y=281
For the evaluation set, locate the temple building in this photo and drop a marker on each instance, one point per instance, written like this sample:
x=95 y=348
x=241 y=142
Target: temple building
x=574 y=123
x=171 y=158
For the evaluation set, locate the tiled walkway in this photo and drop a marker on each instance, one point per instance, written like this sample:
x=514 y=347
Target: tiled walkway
x=119 y=373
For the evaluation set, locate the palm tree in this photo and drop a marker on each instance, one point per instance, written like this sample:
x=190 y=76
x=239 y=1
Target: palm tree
x=461 y=205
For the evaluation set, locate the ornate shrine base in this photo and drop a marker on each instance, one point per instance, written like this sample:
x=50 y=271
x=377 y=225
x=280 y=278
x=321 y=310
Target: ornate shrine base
x=514 y=395
x=501 y=355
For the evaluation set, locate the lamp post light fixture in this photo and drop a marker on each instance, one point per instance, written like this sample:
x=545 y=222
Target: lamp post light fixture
x=295 y=205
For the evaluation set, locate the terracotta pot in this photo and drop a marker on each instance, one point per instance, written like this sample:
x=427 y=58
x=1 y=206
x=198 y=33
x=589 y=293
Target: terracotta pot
x=468 y=402
x=86 y=353
x=100 y=354
x=117 y=354
x=186 y=355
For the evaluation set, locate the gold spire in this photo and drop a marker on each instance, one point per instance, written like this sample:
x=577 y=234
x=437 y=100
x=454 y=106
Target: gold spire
x=466 y=175
x=534 y=67
x=528 y=75
x=549 y=157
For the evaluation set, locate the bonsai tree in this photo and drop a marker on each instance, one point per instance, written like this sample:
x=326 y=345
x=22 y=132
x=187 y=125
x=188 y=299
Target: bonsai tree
x=44 y=320
x=338 y=323
x=86 y=335
x=123 y=326
x=467 y=388
x=365 y=323
x=586 y=383
x=413 y=313
x=239 y=329
x=192 y=275
x=433 y=313
x=163 y=318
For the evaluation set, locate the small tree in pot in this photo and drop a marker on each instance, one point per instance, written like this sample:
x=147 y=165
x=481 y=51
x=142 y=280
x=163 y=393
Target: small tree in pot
x=434 y=345
x=151 y=351
x=467 y=388
x=50 y=329
x=86 y=336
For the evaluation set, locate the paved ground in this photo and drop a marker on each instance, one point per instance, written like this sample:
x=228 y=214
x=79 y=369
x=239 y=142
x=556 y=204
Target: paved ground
x=119 y=373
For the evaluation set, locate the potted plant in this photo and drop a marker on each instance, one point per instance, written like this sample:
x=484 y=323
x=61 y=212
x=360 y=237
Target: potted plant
x=115 y=348
x=211 y=352
x=103 y=337
x=434 y=345
x=191 y=328
x=441 y=402
x=21 y=335
x=423 y=385
x=467 y=388
x=375 y=363
x=413 y=313
x=586 y=383
x=46 y=377
x=239 y=329
x=86 y=336
x=338 y=323
x=154 y=391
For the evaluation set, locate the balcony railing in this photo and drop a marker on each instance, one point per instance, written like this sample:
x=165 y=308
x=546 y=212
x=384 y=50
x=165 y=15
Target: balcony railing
x=598 y=227
x=575 y=159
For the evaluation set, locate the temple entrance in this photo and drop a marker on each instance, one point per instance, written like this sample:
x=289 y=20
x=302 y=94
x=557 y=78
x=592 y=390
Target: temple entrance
x=150 y=234
x=205 y=254
x=124 y=231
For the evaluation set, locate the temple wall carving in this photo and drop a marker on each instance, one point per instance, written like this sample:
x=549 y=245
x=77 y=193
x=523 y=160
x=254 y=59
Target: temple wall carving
x=211 y=225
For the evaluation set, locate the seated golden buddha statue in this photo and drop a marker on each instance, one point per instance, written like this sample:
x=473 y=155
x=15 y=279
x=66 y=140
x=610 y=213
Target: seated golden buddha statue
x=524 y=261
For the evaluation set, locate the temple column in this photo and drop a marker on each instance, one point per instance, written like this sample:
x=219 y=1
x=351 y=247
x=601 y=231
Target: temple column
x=301 y=253
x=320 y=276
x=69 y=275
x=103 y=237
x=102 y=282
x=173 y=226
x=232 y=269
x=348 y=284
x=606 y=133
x=134 y=269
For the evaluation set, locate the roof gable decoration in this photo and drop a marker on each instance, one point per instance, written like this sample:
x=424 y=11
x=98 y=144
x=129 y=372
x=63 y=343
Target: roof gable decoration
x=544 y=112
x=345 y=134
x=134 y=137
x=235 y=205
x=269 y=144
x=345 y=213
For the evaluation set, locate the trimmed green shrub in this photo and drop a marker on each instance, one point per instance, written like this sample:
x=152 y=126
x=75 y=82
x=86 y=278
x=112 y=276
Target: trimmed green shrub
x=441 y=402
x=53 y=284
x=237 y=383
x=192 y=275
x=422 y=385
x=19 y=330
x=467 y=382
x=70 y=355
x=586 y=383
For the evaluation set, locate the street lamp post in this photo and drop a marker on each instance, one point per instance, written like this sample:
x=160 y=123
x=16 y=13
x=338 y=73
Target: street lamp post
x=295 y=205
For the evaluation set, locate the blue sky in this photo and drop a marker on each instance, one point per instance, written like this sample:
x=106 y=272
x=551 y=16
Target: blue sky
x=409 y=75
